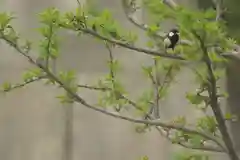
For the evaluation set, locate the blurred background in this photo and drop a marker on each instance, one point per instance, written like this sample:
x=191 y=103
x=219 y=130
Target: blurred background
x=35 y=126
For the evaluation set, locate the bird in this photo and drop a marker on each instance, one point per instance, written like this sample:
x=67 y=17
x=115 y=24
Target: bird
x=171 y=39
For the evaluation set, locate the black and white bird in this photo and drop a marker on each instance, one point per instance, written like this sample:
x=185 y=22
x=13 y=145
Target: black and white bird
x=171 y=39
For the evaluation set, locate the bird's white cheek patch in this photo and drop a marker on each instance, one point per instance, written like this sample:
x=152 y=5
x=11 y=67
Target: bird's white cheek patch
x=171 y=34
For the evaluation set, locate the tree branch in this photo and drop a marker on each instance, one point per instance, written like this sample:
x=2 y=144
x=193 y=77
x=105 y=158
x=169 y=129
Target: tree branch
x=212 y=91
x=156 y=91
x=170 y=3
x=219 y=9
x=20 y=85
x=49 y=39
x=186 y=145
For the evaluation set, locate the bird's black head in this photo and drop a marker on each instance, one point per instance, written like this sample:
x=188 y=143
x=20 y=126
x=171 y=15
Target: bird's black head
x=174 y=30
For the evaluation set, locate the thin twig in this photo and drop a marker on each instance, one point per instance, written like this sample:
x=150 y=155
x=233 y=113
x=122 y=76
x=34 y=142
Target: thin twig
x=103 y=89
x=20 y=85
x=156 y=106
x=190 y=146
x=112 y=74
x=49 y=44
x=219 y=9
x=170 y=3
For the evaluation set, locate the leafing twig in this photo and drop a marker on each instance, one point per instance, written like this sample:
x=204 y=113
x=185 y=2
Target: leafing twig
x=20 y=85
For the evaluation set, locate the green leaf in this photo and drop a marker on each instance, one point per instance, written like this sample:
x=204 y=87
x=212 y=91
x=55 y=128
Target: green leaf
x=144 y=101
x=6 y=86
x=50 y=16
x=106 y=15
x=28 y=76
x=93 y=8
x=114 y=65
x=228 y=116
x=196 y=140
x=152 y=30
x=207 y=123
x=50 y=81
x=180 y=120
x=195 y=99
x=147 y=70
x=186 y=155
x=5 y=19
x=144 y=158
x=231 y=117
x=150 y=44
x=163 y=90
x=131 y=37
x=209 y=14
x=214 y=57
x=64 y=99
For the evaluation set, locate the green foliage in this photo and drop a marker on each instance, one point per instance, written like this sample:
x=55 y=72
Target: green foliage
x=195 y=99
x=144 y=158
x=5 y=19
x=209 y=39
x=231 y=117
x=208 y=123
x=6 y=86
x=49 y=44
x=190 y=156
x=144 y=101
x=68 y=79
x=32 y=73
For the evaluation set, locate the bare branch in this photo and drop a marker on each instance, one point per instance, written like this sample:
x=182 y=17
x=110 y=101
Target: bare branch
x=129 y=11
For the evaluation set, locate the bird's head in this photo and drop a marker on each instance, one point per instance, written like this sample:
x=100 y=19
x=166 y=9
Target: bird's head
x=174 y=30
